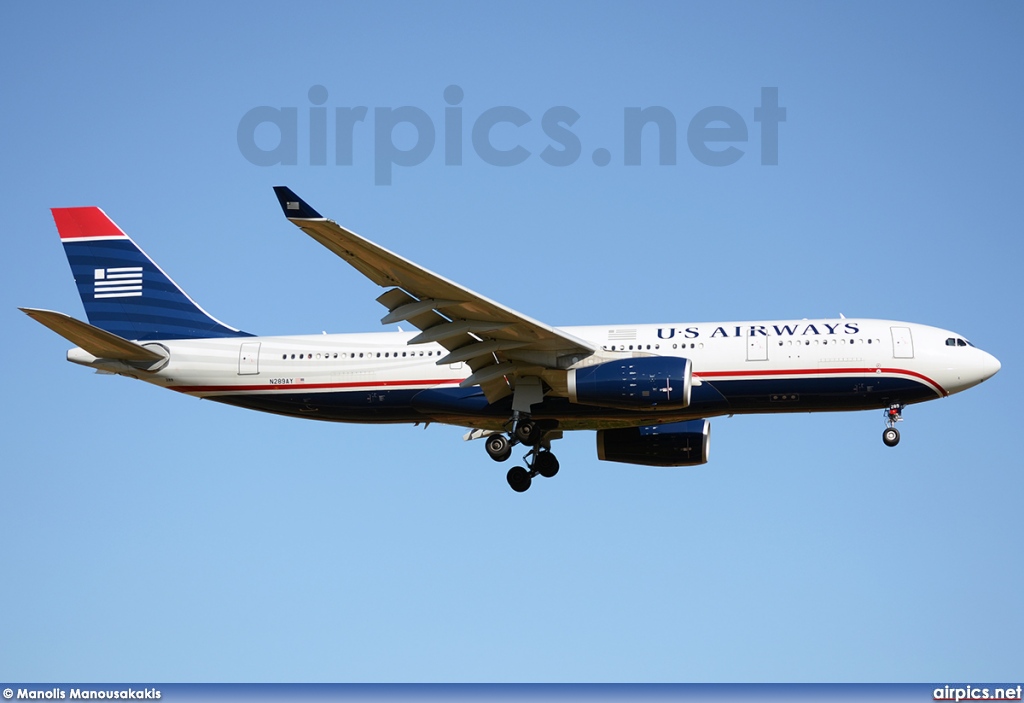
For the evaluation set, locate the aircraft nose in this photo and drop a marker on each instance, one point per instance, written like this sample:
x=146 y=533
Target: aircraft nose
x=989 y=366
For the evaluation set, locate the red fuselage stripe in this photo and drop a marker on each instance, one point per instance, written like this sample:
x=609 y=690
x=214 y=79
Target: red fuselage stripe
x=448 y=382
x=316 y=386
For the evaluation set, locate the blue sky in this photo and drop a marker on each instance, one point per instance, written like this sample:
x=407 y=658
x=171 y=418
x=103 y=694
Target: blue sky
x=148 y=536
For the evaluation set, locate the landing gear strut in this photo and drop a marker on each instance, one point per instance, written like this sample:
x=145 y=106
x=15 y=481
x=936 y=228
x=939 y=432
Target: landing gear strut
x=539 y=460
x=893 y=414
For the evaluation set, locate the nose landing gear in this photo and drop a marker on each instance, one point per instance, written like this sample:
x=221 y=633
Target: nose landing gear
x=893 y=414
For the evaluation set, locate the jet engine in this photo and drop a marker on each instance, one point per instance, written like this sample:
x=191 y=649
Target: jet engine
x=637 y=383
x=672 y=444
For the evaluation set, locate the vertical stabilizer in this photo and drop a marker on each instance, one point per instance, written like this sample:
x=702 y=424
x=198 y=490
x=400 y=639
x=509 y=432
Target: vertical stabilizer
x=124 y=292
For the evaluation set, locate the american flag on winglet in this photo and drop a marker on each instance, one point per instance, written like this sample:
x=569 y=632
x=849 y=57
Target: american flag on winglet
x=121 y=282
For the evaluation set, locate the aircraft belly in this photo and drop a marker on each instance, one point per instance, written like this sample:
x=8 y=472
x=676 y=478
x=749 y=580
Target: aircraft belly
x=825 y=393
x=367 y=406
x=468 y=407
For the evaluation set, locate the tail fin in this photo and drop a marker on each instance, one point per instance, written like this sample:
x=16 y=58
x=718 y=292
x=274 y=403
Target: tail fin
x=124 y=292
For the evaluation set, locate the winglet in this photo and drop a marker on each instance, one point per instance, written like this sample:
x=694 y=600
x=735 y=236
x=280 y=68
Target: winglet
x=295 y=208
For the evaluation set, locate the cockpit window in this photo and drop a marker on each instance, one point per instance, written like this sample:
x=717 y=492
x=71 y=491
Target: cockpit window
x=961 y=343
x=951 y=342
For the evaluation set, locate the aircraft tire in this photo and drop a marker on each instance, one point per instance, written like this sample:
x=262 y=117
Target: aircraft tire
x=518 y=479
x=546 y=464
x=891 y=436
x=498 y=447
x=526 y=432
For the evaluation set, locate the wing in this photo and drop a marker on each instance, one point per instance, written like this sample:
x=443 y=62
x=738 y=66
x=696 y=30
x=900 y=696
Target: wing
x=498 y=343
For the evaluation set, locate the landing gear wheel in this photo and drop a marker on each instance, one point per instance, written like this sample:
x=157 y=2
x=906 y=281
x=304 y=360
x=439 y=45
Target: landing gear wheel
x=545 y=464
x=526 y=432
x=518 y=479
x=498 y=447
x=891 y=436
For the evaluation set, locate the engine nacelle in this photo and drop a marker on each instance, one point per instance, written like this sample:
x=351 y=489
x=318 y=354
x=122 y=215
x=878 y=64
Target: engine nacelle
x=672 y=444
x=637 y=383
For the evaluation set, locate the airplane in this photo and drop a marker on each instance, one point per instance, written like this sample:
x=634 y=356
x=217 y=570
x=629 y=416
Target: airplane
x=647 y=389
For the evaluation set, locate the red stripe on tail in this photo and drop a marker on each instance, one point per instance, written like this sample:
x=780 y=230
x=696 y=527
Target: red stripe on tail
x=80 y=222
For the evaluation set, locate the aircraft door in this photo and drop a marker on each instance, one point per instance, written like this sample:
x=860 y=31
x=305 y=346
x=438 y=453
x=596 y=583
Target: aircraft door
x=902 y=343
x=249 y=359
x=757 y=346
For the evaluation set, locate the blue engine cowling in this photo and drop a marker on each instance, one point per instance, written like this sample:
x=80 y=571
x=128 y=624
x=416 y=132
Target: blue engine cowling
x=672 y=444
x=637 y=383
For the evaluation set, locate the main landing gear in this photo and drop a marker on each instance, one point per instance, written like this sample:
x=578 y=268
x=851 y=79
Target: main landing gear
x=893 y=414
x=539 y=460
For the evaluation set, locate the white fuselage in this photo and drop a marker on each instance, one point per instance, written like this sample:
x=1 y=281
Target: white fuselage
x=743 y=360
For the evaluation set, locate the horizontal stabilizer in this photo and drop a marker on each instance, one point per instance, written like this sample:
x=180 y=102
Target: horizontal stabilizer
x=99 y=343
